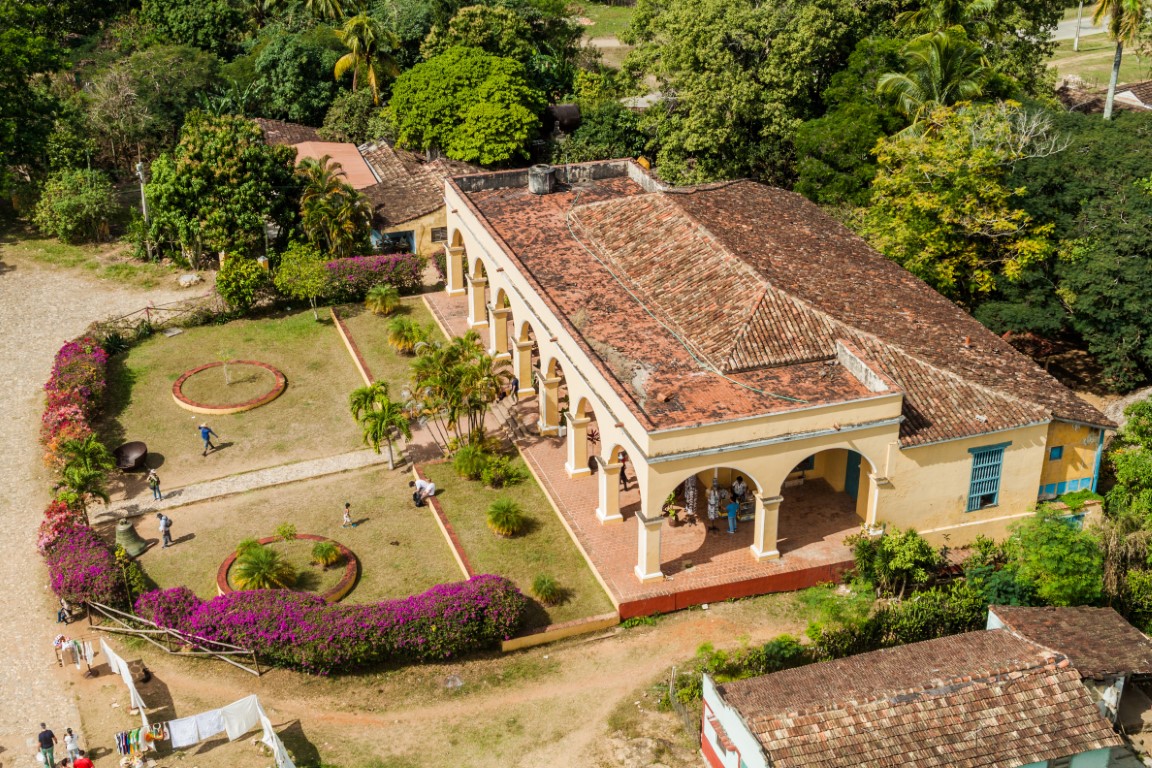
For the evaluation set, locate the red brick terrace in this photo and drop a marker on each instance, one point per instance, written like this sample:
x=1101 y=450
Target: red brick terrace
x=699 y=566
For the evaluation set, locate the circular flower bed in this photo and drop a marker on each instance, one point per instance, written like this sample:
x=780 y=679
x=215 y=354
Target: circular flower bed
x=218 y=409
x=333 y=595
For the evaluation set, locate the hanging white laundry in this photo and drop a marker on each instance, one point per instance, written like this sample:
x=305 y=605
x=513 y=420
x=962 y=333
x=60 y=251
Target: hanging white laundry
x=241 y=716
x=113 y=659
x=279 y=751
x=210 y=723
x=183 y=732
x=89 y=653
x=77 y=652
x=119 y=666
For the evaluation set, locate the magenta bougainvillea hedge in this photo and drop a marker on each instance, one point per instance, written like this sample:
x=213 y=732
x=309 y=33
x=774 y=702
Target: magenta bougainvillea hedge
x=83 y=568
x=353 y=277
x=304 y=632
x=74 y=393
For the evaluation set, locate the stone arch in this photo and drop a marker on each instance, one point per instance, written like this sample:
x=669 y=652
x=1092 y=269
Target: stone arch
x=553 y=396
x=826 y=491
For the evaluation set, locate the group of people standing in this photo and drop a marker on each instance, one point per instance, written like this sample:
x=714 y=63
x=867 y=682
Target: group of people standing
x=730 y=499
x=76 y=758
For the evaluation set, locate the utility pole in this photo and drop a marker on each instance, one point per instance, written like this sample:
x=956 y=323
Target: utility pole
x=143 y=199
x=1079 y=17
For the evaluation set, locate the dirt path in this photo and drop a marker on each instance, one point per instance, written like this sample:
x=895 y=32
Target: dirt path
x=43 y=307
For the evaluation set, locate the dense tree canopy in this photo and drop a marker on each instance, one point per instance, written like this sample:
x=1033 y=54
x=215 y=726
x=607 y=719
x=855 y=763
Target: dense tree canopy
x=217 y=189
x=25 y=112
x=468 y=104
x=211 y=25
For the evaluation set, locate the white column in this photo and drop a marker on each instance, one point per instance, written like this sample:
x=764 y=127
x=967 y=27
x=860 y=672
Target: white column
x=522 y=364
x=767 y=523
x=876 y=484
x=609 y=484
x=577 y=464
x=498 y=332
x=648 y=555
x=477 y=308
x=550 y=406
x=455 y=268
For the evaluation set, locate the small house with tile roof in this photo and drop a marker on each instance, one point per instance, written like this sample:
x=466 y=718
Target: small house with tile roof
x=986 y=699
x=733 y=336
x=1114 y=658
x=406 y=191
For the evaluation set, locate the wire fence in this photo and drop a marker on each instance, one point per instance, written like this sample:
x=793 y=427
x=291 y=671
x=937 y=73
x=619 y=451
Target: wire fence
x=194 y=310
x=690 y=716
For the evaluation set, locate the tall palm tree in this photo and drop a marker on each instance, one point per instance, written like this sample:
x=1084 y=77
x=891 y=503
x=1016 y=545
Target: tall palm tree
x=366 y=398
x=325 y=9
x=382 y=424
x=370 y=47
x=87 y=462
x=942 y=14
x=1125 y=17
x=350 y=224
x=335 y=216
x=942 y=69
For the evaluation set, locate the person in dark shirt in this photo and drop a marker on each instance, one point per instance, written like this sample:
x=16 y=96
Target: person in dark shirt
x=47 y=746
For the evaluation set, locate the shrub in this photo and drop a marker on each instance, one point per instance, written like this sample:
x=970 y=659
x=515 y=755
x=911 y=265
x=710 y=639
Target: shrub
x=76 y=206
x=382 y=299
x=132 y=573
x=546 y=589
x=783 y=652
x=301 y=631
x=247 y=545
x=469 y=462
x=240 y=282
x=326 y=553
x=83 y=568
x=263 y=568
x=286 y=531
x=404 y=334
x=506 y=518
x=895 y=561
x=353 y=277
x=500 y=472
x=60 y=516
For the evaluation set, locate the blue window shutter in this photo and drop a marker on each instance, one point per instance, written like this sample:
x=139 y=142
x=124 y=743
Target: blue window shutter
x=1055 y=453
x=984 y=489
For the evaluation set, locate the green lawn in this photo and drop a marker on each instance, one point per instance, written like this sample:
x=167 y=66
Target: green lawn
x=370 y=333
x=400 y=548
x=310 y=420
x=609 y=20
x=1093 y=62
x=106 y=261
x=545 y=549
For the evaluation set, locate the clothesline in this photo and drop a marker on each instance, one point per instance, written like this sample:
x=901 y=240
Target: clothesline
x=120 y=667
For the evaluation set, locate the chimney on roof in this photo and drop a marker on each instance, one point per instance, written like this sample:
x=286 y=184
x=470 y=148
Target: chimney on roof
x=540 y=179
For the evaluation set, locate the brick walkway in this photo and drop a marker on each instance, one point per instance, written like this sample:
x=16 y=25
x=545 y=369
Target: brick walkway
x=698 y=566
x=247 y=481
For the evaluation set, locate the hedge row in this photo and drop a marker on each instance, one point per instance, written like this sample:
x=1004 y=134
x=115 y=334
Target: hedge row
x=302 y=631
x=352 y=278
x=73 y=395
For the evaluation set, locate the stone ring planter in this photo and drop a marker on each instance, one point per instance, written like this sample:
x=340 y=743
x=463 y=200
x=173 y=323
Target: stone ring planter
x=222 y=410
x=334 y=595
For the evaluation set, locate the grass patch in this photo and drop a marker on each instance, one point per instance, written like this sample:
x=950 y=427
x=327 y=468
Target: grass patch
x=837 y=604
x=240 y=384
x=608 y=20
x=1093 y=62
x=545 y=547
x=370 y=332
x=309 y=420
x=105 y=261
x=207 y=533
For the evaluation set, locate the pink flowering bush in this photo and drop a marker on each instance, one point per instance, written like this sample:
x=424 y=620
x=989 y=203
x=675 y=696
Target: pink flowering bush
x=73 y=395
x=352 y=278
x=302 y=631
x=83 y=568
x=59 y=518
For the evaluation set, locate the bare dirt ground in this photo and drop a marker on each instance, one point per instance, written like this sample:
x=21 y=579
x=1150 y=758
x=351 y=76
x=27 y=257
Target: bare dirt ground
x=44 y=306
x=584 y=702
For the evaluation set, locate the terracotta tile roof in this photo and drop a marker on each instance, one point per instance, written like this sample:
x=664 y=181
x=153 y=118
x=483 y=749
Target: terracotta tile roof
x=410 y=186
x=1098 y=641
x=277 y=132
x=965 y=701
x=727 y=282
x=356 y=170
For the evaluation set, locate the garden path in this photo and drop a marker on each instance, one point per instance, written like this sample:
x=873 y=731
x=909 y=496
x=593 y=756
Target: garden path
x=44 y=306
x=246 y=481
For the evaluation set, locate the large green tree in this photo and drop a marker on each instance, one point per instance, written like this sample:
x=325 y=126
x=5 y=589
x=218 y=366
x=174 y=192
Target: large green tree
x=941 y=68
x=496 y=30
x=1061 y=563
x=467 y=104
x=25 y=111
x=335 y=217
x=219 y=187
x=1124 y=19
x=211 y=25
x=941 y=206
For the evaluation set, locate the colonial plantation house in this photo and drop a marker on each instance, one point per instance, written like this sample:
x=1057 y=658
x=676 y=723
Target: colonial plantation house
x=734 y=330
x=981 y=699
x=405 y=190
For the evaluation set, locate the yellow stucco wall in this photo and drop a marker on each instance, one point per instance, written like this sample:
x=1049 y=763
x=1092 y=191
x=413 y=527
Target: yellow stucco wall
x=1078 y=462
x=422 y=231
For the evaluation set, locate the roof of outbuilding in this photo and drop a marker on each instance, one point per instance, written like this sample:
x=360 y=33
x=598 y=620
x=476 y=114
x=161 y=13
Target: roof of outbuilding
x=726 y=285
x=279 y=132
x=1098 y=641
x=975 y=700
x=410 y=186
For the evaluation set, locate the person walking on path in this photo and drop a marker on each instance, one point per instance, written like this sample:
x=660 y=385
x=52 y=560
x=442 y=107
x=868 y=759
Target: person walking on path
x=348 y=516
x=82 y=761
x=733 y=509
x=154 y=484
x=72 y=744
x=47 y=741
x=206 y=434
x=165 y=528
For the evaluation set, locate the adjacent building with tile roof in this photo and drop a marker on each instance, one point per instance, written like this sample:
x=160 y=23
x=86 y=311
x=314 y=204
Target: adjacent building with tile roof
x=735 y=329
x=406 y=190
x=977 y=700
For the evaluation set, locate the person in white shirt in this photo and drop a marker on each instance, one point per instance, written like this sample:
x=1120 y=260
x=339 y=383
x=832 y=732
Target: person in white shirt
x=71 y=744
x=424 y=489
x=739 y=488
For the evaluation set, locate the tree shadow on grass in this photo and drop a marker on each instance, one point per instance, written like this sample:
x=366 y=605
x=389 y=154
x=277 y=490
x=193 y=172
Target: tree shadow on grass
x=117 y=397
x=303 y=751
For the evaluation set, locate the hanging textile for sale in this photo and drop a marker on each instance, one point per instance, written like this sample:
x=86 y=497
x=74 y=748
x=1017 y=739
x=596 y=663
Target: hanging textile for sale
x=183 y=731
x=236 y=719
x=241 y=716
x=210 y=723
x=117 y=664
x=279 y=751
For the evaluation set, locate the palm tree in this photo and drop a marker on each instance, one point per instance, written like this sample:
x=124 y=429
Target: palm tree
x=324 y=9
x=350 y=223
x=369 y=47
x=404 y=334
x=943 y=68
x=335 y=216
x=382 y=299
x=382 y=424
x=87 y=463
x=1125 y=17
x=367 y=398
x=942 y=14
x=263 y=568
